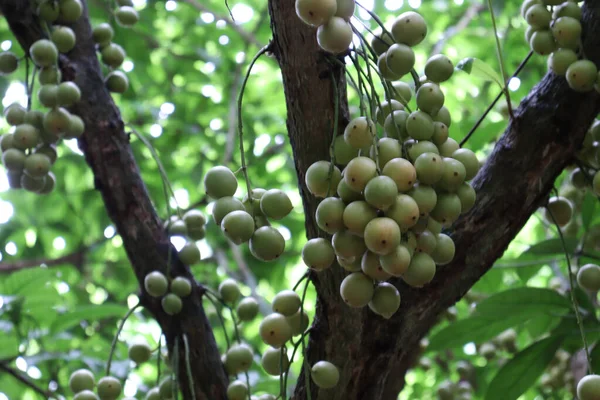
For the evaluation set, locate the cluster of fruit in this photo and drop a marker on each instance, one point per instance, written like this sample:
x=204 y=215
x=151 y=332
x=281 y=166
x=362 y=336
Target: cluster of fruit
x=332 y=17
x=590 y=156
x=157 y=285
x=395 y=193
x=190 y=226
x=555 y=30
x=247 y=220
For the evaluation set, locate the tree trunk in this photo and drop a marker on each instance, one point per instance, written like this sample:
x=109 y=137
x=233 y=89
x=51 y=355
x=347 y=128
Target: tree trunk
x=117 y=177
x=374 y=354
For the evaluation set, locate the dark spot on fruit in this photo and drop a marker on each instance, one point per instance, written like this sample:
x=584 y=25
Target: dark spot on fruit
x=414 y=217
x=272 y=333
x=410 y=182
x=311 y=13
x=384 y=242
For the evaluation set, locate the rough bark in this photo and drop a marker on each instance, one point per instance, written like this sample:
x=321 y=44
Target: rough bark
x=117 y=177
x=374 y=354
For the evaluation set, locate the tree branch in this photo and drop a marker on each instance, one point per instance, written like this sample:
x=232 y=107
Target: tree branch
x=117 y=177
x=373 y=354
x=26 y=381
x=247 y=36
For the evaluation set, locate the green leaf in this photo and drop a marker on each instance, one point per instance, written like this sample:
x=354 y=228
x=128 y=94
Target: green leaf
x=524 y=300
x=552 y=246
x=587 y=209
x=523 y=370
x=476 y=329
x=89 y=313
x=476 y=67
x=595 y=356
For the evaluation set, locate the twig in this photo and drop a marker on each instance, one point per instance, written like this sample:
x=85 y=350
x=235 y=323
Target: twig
x=26 y=381
x=76 y=258
x=247 y=36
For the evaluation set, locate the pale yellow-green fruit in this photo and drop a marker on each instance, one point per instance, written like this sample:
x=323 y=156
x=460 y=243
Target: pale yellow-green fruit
x=315 y=12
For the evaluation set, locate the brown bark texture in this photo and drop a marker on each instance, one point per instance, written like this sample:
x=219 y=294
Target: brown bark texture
x=374 y=354
x=117 y=177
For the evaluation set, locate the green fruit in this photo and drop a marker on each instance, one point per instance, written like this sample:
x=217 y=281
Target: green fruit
x=346 y=194
x=14 y=159
x=275 y=204
x=43 y=53
x=237 y=390
x=542 y=42
x=345 y=8
x=453 y=175
x=400 y=59
x=156 y=284
x=357 y=215
x=238 y=226
x=443 y=116
x=139 y=351
x=117 y=82
x=103 y=34
x=347 y=245
x=80 y=380
x=359 y=133
x=419 y=125
x=469 y=161
x=385 y=72
x=386 y=300
x=26 y=137
x=588 y=387
x=189 y=254
x=57 y=121
x=153 y=394
x=318 y=254
x=181 y=286
x=126 y=16
x=342 y=151
x=444 y=251
x=194 y=219
x=567 y=9
x=420 y=271
x=274 y=362
x=566 y=32
x=425 y=197
x=588 y=277
x=171 y=304
x=319 y=181
x=381 y=42
x=404 y=212
x=357 y=290
x=238 y=358
x=252 y=202
x=335 y=35
x=63 y=38
x=448 y=147
x=224 y=206
x=538 y=16
x=447 y=209
x=275 y=330
x=381 y=192
x=395 y=124
x=165 y=389
x=409 y=28
x=298 y=322
x=439 y=68
x=527 y=4
x=382 y=235
x=85 y=395
x=15 y=114
x=429 y=167
x=582 y=75
x=371 y=267
x=396 y=263
x=415 y=149
x=286 y=302
x=247 y=309
x=175 y=226
x=109 y=388
x=229 y=291
x=76 y=127
x=48 y=95
x=37 y=165
x=112 y=55
x=34 y=185
x=467 y=197
x=359 y=172
x=267 y=244
x=48 y=11
x=402 y=92
x=385 y=108
x=559 y=210
x=430 y=99
x=8 y=63
x=426 y=242
x=35 y=118
x=68 y=93
x=14 y=179
x=402 y=172
x=440 y=133
x=325 y=375
x=329 y=215
x=70 y=11
x=7 y=142
x=315 y=12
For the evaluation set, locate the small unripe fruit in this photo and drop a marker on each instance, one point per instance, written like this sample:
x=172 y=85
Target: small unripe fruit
x=247 y=309
x=381 y=192
x=315 y=12
x=189 y=254
x=400 y=59
x=559 y=210
x=113 y=55
x=357 y=215
x=275 y=204
x=68 y=93
x=8 y=63
x=419 y=125
x=396 y=263
x=395 y=124
x=238 y=358
x=382 y=235
x=37 y=165
x=404 y=212
x=385 y=108
x=538 y=16
x=15 y=114
x=139 y=351
x=81 y=380
x=153 y=394
x=224 y=206
x=447 y=209
x=25 y=137
x=325 y=375
x=117 y=82
x=43 y=53
x=298 y=322
x=444 y=250
x=467 y=197
x=359 y=132
x=274 y=362
x=329 y=215
x=566 y=31
x=348 y=245
x=103 y=34
x=386 y=300
x=420 y=271
x=47 y=95
x=318 y=254
x=34 y=185
x=63 y=38
x=582 y=75
x=371 y=266
x=237 y=390
x=275 y=330
x=542 y=42
x=165 y=389
x=409 y=28
x=85 y=395
x=126 y=16
x=171 y=304
x=588 y=388
x=181 y=286
x=70 y=11
x=318 y=180
x=229 y=291
x=381 y=41
x=57 y=121
x=588 y=277
x=439 y=68
x=359 y=172
x=238 y=226
x=469 y=161
x=430 y=99
x=286 y=302
x=109 y=388
x=48 y=11
x=357 y=290
x=335 y=35
x=267 y=244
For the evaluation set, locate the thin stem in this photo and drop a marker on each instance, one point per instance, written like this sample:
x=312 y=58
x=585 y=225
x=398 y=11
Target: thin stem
x=26 y=381
x=209 y=296
x=300 y=280
x=240 y=122
x=159 y=359
x=336 y=116
x=487 y=111
x=116 y=338
x=304 y=360
x=27 y=83
x=188 y=366
x=376 y=18
x=572 y=292
x=500 y=58
x=296 y=346
x=175 y=363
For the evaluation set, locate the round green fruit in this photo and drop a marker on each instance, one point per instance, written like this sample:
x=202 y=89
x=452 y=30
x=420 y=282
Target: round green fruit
x=335 y=35
x=85 y=395
x=386 y=300
x=409 y=28
x=267 y=244
x=420 y=271
x=181 y=286
x=274 y=362
x=359 y=132
x=63 y=38
x=68 y=93
x=37 y=165
x=275 y=204
x=117 y=82
x=329 y=215
x=80 y=380
x=238 y=358
x=325 y=375
x=588 y=388
x=381 y=192
x=70 y=10
x=318 y=254
x=15 y=114
x=559 y=210
x=588 y=277
x=139 y=351
x=359 y=172
x=229 y=291
x=348 y=245
x=237 y=390
x=247 y=309
x=298 y=322
x=112 y=55
x=316 y=12
x=238 y=226
x=171 y=304
x=103 y=34
x=109 y=388
x=439 y=68
x=275 y=330
x=400 y=59
x=582 y=75
x=126 y=16
x=286 y=302
x=357 y=290
x=26 y=137
x=43 y=53
x=319 y=181
x=189 y=254
x=357 y=215
x=8 y=63
x=224 y=206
